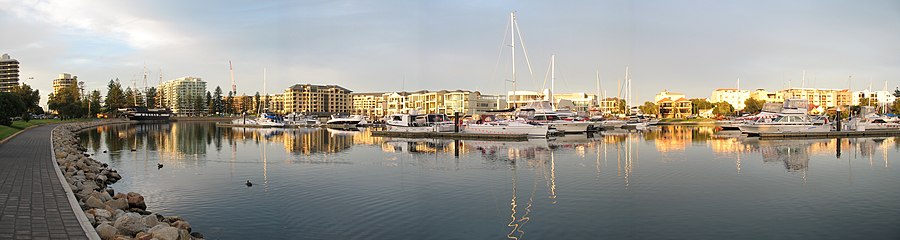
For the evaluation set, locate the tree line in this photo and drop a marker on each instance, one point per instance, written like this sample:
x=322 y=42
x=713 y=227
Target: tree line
x=72 y=102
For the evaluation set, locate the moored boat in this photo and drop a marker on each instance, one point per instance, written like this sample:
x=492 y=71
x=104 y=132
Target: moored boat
x=792 y=118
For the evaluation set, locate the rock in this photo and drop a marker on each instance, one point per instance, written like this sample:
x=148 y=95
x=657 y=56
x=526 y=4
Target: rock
x=102 y=214
x=181 y=224
x=139 y=211
x=90 y=185
x=143 y=236
x=91 y=219
x=93 y=202
x=184 y=235
x=117 y=203
x=136 y=200
x=162 y=232
x=119 y=196
x=173 y=219
x=106 y=231
x=102 y=195
x=197 y=235
x=129 y=224
x=150 y=221
x=111 y=192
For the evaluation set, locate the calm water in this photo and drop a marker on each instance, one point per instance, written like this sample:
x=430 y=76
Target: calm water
x=669 y=183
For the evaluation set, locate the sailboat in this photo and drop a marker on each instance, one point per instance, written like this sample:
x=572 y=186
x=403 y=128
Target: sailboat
x=546 y=112
x=515 y=126
x=264 y=119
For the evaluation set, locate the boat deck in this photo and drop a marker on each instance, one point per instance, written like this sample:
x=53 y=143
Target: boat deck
x=832 y=134
x=450 y=135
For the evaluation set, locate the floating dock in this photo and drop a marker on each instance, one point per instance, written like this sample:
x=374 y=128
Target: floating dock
x=450 y=135
x=832 y=134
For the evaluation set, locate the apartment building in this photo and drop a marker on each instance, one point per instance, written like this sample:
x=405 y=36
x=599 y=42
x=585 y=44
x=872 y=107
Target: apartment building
x=9 y=73
x=368 y=104
x=64 y=80
x=310 y=99
x=874 y=98
x=762 y=94
x=181 y=95
x=733 y=96
x=821 y=98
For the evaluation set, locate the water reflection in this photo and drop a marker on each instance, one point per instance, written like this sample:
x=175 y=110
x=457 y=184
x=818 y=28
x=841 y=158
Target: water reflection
x=411 y=182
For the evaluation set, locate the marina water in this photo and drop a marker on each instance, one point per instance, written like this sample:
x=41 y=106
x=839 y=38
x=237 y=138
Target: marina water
x=671 y=182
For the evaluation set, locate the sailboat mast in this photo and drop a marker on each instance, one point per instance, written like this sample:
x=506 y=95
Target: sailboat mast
x=158 y=91
x=145 y=86
x=552 y=80
x=512 y=33
x=231 y=71
x=627 y=89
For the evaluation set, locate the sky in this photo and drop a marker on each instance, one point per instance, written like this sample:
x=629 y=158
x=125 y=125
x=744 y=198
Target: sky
x=688 y=46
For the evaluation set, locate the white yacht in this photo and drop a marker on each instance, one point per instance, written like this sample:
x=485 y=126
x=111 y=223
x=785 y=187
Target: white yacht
x=769 y=111
x=300 y=119
x=553 y=120
x=419 y=123
x=792 y=118
x=269 y=120
x=354 y=120
x=511 y=127
x=603 y=123
x=868 y=119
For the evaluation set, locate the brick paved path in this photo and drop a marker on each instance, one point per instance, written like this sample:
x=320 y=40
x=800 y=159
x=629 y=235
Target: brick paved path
x=33 y=203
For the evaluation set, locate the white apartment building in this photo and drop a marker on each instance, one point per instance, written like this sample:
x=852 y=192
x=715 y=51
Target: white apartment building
x=877 y=98
x=733 y=96
x=180 y=94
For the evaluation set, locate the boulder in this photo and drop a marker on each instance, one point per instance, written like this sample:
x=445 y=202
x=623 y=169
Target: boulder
x=129 y=224
x=150 y=221
x=197 y=235
x=135 y=200
x=102 y=195
x=143 y=236
x=119 y=196
x=91 y=219
x=93 y=202
x=181 y=224
x=184 y=235
x=117 y=203
x=103 y=214
x=163 y=232
x=106 y=231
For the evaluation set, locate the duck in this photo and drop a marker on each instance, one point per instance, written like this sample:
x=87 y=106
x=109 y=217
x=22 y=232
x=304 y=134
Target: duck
x=104 y=151
x=249 y=184
x=159 y=165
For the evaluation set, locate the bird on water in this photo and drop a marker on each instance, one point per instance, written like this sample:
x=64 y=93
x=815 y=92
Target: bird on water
x=159 y=165
x=249 y=184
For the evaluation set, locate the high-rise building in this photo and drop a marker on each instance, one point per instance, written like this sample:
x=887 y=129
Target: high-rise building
x=181 y=95
x=9 y=73
x=733 y=96
x=310 y=99
x=63 y=81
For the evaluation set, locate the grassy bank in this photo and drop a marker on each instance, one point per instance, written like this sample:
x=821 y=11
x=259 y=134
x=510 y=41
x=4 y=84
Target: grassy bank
x=17 y=126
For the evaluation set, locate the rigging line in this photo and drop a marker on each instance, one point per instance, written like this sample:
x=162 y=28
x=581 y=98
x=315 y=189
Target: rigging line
x=546 y=76
x=500 y=54
x=524 y=49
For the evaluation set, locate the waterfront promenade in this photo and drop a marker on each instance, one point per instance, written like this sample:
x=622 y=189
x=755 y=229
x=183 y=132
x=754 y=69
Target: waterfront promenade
x=33 y=202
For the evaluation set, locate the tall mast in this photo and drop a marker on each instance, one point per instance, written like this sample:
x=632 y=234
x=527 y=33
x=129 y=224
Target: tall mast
x=512 y=33
x=145 y=85
x=803 y=81
x=231 y=70
x=627 y=89
x=552 y=80
x=158 y=91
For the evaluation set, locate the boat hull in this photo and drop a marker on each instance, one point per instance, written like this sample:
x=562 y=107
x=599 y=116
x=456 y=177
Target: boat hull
x=527 y=129
x=570 y=127
x=756 y=129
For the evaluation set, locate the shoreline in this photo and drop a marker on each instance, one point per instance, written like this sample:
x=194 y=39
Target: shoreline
x=110 y=215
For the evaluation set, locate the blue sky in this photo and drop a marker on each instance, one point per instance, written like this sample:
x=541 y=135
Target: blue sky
x=684 y=46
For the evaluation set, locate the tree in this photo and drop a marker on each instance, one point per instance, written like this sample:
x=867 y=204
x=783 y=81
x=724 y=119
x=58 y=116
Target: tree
x=218 y=104
x=897 y=92
x=10 y=106
x=94 y=103
x=209 y=103
x=895 y=106
x=198 y=104
x=229 y=103
x=152 y=102
x=723 y=109
x=256 y=102
x=698 y=104
x=115 y=97
x=67 y=103
x=129 y=97
x=753 y=106
x=649 y=108
x=30 y=97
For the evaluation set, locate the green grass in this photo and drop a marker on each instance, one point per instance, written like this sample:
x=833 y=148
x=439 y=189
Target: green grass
x=6 y=131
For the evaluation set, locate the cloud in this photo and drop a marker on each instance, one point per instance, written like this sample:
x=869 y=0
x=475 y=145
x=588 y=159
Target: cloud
x=105 y=20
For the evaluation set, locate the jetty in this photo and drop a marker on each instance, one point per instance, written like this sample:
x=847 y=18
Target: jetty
x=832 y=134
x=450 y=135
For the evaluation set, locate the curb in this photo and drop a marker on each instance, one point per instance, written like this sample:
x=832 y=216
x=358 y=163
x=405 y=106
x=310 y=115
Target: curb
x=73 y=202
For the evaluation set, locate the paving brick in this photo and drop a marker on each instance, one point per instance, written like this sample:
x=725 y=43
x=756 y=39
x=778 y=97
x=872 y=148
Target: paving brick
x=33 y=204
